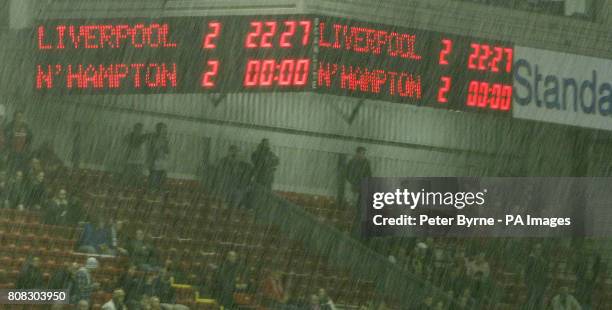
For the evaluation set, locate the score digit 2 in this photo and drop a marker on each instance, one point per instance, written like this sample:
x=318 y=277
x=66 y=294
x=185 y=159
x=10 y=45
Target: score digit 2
x=212 y=67
x=444 y=89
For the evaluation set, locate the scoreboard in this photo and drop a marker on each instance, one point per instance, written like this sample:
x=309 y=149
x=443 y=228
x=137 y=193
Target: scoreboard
x=289 y=53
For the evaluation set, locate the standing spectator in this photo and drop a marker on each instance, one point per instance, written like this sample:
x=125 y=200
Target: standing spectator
x=565 y=301
x=128 y=282
x=140 y=252
x=233 y=176
x=588 y=270
x=37 y=192
x=314 y=303
x=75 y=155
x=536 y=278
x=325 y=301
x=64 y=277
x=117 y=302
x=159 y=150
x=30 y=276
x=358 y=168
x=162 y=287
x=3 y=145
x=17 y=191
x=96 y=238
x=19 y=141
x=229 y=278
x=4 y=191
x=85 y=284
x=264 y=164
x=134 y=155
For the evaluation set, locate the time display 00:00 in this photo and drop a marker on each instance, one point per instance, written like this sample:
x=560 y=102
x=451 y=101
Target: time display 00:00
x=493 y=96
x=268 y=72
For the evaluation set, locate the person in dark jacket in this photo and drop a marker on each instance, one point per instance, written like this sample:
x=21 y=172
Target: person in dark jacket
x=64 y=278
x=357 y=169
x=536 y=278
x=140 y=252
x=18 y=137
x=229 y=280
x=31 y=276
x=264 y=163
x=129 y=281
x=159 y=150
x=96 y=238
x=17 y=191
x=233 y=176
x=61 y=211
x=162 y=287
x=134 y=155
x=37 y=192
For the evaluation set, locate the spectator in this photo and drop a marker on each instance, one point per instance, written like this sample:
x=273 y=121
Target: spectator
x=314 y=303
x=134 y=155
x=159 y=149
x=478 y=265
x=30 y=276
x=588 y=270
x=117 y=302
x=229 y=278
x=535 y=276
x=233 y=177
x=4 y=191
x=140 y=252
x=58 y=209
x=155 y=303
x=145 y=303
x=116 y=227
x=84 y=281
x=325 y=301
x=2 y=134
x=83 y=305
x=64 y=278
x=264 y=164
x=17 y=191
x=96 y=238
x=35 y=167
x=19 y=141
x=129 y=282
x=37 y=192
x=273 y=291
x=162 y=287
x=358 y=168
x=565 y=301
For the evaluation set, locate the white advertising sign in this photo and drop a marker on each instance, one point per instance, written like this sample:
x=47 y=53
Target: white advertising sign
x=562 y=88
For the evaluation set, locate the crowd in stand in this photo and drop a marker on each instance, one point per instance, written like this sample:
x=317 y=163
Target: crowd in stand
x=147 y=281
x=26 y=183
x=468 y=277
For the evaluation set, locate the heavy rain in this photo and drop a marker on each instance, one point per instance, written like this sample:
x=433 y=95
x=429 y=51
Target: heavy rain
x=305 y=154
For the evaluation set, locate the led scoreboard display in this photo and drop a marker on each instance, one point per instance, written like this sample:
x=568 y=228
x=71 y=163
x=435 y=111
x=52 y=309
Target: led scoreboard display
x=272 y=53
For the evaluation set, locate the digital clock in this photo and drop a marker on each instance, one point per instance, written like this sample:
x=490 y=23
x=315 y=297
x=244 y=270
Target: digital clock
x=224 y=54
